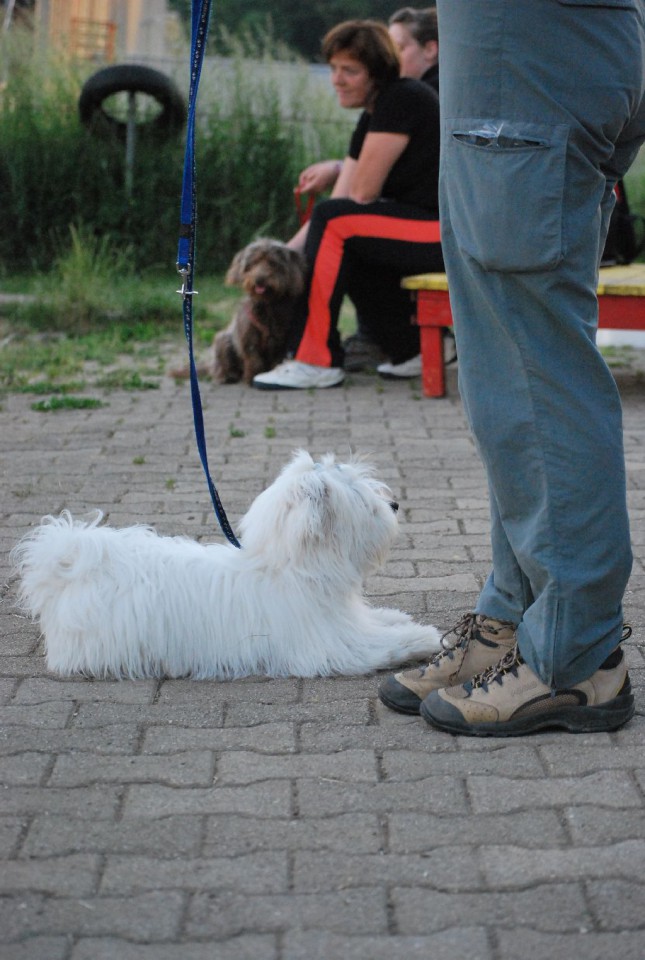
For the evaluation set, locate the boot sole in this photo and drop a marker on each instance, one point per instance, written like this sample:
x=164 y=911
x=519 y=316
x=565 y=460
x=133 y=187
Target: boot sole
x=398 y=707
x=605 y=718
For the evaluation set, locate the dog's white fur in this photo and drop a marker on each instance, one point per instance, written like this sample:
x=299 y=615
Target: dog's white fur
x=130 y=603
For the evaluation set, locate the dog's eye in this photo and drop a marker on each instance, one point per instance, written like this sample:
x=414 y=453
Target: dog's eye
x=394 y=505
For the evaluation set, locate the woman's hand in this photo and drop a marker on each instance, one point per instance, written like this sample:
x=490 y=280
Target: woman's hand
x=320 y=176
x=361 y=180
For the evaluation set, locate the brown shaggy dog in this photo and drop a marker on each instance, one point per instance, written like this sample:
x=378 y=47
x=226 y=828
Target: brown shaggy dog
x=272 y=276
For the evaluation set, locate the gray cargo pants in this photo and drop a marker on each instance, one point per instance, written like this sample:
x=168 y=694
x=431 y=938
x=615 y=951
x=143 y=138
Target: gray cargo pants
x=543 y=107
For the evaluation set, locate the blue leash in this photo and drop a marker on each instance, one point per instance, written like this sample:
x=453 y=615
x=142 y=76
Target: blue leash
x=186 y=250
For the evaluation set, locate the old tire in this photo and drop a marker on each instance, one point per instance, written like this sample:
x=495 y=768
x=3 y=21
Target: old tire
x=170 y=113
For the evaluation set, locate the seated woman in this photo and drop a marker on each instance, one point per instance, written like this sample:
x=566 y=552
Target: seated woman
x=416 y=34
x=382 y=220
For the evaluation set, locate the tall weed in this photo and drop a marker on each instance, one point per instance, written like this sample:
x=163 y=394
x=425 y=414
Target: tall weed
x=259 y=122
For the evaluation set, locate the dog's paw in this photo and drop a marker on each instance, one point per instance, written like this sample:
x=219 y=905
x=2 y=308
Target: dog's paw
x=418 y=639
x=427 y=642
x=183 y=372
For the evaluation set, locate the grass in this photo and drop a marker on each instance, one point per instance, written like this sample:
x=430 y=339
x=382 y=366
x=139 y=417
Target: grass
x=133 y=354
x=42 y=353
x=67 y=403
x=126 y=380
x=121 y=366
x=99 y=312
x=126 y=355
x=260 y=121
x=622 y=357
x=92 y=322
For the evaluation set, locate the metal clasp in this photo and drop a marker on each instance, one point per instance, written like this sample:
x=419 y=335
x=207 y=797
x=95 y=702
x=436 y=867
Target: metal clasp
x=184 y=273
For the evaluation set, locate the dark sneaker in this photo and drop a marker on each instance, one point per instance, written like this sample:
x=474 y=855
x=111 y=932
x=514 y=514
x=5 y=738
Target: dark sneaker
x=477 y=642
x=361 y=353
x=508 y=700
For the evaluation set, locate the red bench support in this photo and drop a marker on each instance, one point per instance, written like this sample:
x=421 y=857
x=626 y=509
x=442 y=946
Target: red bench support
x=621 y=299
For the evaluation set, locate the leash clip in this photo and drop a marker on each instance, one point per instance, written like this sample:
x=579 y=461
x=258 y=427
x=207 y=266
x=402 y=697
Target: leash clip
x=184 y=273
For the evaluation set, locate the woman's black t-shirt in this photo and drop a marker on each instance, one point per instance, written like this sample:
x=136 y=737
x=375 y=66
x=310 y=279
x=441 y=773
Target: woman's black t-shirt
x=409 y=107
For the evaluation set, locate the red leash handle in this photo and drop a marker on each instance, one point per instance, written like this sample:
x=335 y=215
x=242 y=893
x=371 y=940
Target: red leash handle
x=304 y=210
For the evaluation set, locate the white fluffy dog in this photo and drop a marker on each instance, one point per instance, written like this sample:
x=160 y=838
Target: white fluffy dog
x=130 y=603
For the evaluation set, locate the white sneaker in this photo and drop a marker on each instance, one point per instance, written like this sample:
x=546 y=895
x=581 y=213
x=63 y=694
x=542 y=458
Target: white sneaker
x=401 y=371
x=449 y=347
x=294 y=375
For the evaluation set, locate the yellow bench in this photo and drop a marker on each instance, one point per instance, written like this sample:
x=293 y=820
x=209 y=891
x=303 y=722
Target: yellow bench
x=621 y=299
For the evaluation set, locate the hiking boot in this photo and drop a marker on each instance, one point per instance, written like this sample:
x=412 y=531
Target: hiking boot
x=508 y=700
x=478 y=643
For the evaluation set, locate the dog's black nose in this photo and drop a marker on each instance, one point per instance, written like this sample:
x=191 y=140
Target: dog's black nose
x=394 y=506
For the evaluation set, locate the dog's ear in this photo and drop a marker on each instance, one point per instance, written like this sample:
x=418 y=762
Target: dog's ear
x=305 y=497
x=289 y=521
x=301 y=462
x=235 y=272
x=307 y=521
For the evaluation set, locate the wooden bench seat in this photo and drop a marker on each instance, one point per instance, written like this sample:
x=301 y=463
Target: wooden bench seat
x=621 y=299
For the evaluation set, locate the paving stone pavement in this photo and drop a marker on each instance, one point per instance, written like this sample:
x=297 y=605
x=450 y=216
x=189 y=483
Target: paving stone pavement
x=298 y=819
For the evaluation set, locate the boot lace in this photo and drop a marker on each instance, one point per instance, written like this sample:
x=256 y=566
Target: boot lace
x=463 y=630
x=508 y=664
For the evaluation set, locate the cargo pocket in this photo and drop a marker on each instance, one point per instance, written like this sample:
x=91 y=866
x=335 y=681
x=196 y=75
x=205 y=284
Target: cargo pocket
x=620 y=4
x=505 y=183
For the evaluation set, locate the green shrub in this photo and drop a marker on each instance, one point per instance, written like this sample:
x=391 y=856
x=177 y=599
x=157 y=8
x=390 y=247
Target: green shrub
x=259 y=123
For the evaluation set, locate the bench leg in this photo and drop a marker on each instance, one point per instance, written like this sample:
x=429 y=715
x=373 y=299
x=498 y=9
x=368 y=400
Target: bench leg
x=433 y=373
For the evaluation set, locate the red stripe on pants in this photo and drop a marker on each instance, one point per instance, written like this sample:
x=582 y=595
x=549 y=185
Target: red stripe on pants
x=313 y=347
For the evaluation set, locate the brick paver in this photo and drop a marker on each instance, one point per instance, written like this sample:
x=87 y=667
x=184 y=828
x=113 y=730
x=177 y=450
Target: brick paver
x=298 y=819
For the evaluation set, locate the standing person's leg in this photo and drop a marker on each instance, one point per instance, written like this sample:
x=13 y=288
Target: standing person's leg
x=522 y=222
x=525 y=207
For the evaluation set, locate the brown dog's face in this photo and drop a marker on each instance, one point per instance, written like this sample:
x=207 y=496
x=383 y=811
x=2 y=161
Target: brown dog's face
x=267 y=270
